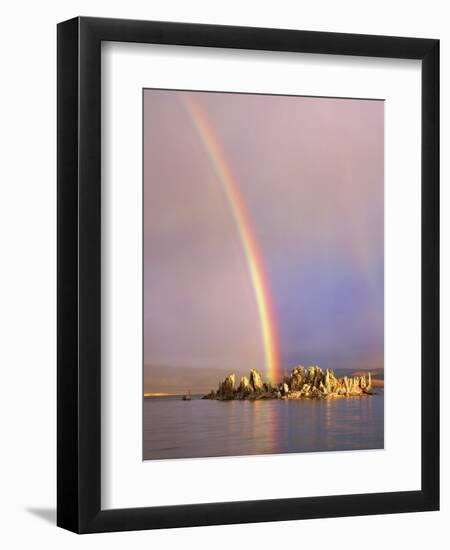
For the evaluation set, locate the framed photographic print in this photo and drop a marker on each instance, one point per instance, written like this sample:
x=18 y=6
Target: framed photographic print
x=248 y=274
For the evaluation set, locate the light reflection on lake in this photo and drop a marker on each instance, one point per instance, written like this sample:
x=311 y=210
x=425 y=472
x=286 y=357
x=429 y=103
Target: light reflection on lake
x=199 y=428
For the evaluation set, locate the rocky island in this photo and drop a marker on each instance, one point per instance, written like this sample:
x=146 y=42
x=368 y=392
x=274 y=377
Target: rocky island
x=302 y=383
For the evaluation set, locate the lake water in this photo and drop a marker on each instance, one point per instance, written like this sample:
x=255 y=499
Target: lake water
x=202 y=428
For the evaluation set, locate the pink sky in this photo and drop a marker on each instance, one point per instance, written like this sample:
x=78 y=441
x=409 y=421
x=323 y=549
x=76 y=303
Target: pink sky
x=310 y=171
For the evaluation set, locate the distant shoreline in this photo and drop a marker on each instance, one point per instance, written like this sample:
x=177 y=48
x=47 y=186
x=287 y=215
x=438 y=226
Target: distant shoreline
x=157 y=394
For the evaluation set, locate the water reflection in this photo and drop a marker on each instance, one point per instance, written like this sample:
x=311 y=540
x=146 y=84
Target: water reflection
x=200 y=428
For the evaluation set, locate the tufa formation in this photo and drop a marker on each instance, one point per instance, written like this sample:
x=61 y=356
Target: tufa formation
x=302 y=383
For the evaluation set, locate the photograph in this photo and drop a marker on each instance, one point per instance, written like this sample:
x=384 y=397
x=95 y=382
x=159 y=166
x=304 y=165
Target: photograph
x=263 y=274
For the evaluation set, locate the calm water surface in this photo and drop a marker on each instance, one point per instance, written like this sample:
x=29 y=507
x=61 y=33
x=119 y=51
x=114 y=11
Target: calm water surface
x=200 y=428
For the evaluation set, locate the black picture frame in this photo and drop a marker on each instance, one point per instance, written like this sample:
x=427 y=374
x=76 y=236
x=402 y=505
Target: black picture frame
x=79 y=275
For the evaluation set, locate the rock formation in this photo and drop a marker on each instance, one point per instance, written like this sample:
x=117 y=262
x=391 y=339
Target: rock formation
x=302 y=383
x=226 y=388
x=245 y=388
x=256 y=380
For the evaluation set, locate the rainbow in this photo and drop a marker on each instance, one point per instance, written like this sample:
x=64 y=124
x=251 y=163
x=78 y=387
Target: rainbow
x=249 y=243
